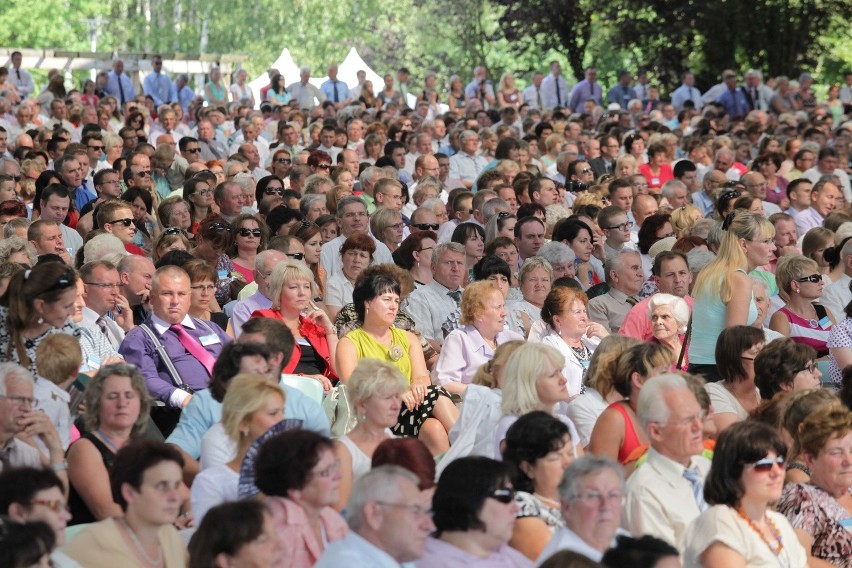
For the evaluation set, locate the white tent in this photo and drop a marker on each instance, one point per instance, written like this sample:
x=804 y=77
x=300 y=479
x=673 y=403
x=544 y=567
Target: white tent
x=346 y=72
x=285 y=65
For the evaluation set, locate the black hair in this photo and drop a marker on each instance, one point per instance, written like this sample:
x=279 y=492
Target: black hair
x=367 y=289
x=490 y=265
x=740 y=444
x=225 y=529
x=285 y=461
x=227 y=365
x=19 y=485
x=133 y=460
x=530 y=438
x=462 y=490
x=23 y=545
x=642 y=552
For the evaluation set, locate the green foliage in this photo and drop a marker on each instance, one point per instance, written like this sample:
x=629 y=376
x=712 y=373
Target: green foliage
x=452 y=36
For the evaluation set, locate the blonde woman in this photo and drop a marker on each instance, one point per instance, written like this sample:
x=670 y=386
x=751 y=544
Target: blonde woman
x=252 y=405
x=375 y=392
x=723 y=291
x=683 y=218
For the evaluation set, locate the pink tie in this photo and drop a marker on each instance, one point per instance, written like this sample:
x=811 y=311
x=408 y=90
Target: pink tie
x=194 y=347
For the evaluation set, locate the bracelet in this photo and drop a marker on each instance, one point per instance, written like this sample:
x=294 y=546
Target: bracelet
x=57 y=467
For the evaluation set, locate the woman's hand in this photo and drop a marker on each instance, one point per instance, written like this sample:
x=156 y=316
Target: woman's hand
x=324 y=381
x=414 y=397
x=320 y=318
x=596 y=330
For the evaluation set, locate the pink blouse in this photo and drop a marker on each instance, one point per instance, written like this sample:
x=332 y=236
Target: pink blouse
x=299 y=544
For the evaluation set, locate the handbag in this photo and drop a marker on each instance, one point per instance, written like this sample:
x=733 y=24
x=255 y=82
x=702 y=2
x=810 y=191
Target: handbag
x=341 y=416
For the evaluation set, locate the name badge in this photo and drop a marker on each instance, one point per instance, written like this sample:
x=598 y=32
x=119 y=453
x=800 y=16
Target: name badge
x=846 y=524
x=91 y=364
x=211 y=339
x=655 y=181
x=825 y=322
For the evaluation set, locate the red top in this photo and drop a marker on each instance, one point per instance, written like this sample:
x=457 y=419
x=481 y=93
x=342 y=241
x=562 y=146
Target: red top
x=654 y=181
x=310 y=331
x=631 y=440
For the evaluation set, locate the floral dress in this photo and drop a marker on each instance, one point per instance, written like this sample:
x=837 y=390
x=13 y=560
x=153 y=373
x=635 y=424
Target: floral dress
x=814 y=511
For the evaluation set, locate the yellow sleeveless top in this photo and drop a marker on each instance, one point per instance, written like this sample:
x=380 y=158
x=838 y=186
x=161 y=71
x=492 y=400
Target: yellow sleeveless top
x=369 y=348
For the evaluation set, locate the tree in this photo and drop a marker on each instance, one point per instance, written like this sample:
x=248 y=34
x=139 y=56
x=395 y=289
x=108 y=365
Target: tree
x=541 y=25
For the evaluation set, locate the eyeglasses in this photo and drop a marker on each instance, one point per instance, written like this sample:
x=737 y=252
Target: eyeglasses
x=396 y=226
x=427 y=226
x=289 y=161
x=274 y=191
x=54 y=505
x=220 y=227
x=329 y=471
x=143 y=174
x=203 y=287
x=623 y=227
x=689 y=420
x=174 y=231
x=296 y=255
x=504 y=495
x=416 y=510
x=765 y=465
x=126 y=222
x=810 y=367
x=193 y=150
x=204 y=192
x=245 y=232
x=21 y=400
x=813 y=279
x=598 y=496
x=425 y=248
x=104 y=285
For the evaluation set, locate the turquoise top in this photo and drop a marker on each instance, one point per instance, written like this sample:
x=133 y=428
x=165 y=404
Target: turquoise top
x=708 y=321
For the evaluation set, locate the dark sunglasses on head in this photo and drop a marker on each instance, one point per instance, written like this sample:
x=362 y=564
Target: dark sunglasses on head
x=503 y=495
x=425 y=226
x=245 y=232
x=305 y=224
x=220 y=227
x=296 y=255
x=125 y=222
x=503 y=215
x=813 y=279
x=174 y=231
x=765 y=465
x=64 y=282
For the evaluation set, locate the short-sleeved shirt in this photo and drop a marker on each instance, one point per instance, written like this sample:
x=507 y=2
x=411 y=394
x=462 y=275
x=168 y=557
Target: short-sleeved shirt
x=814 y=511
x=840 y=337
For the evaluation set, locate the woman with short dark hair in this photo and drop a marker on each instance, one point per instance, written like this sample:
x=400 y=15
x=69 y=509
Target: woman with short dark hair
x=356 y=253
x=474 y=512
x=147 y=483
x=747 y=475
x=239 y=533
x=300 y=475
x=735 y=395
x=540 y=448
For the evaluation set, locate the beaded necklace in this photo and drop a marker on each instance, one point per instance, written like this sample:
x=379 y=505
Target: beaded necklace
x=776 y=534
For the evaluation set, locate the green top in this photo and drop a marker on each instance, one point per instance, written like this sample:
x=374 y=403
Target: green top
x=369 y=348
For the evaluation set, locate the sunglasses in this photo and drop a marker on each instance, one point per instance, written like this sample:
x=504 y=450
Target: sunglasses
x=503 y=215
x=54 y=505
x=503 y=495
x=245 y=232
x=289 y=161
x=323 y=166
x=425 y=226
x=813 y=279
x=220 y=227
x=125 y=222
x=193 y=150
x=174 y=231
x=296 y=255
x=95 y=147
x=274 y=191
x=765 y=465
x=143 y=174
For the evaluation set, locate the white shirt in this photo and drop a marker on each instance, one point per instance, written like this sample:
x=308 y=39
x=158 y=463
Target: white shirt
x=430 y=306
x=354 y=551
x=548 y=91
x=836 y=295
x=566 y=539
x=115 y=335
x=574 y=369
x=814 y=174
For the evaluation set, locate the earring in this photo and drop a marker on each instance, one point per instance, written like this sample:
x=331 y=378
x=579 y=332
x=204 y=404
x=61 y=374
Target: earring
x=40 y=320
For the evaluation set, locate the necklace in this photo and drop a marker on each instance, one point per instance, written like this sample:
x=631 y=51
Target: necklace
x=776 y=535
x=141 y=549
x=552 y=503
x=107 y=441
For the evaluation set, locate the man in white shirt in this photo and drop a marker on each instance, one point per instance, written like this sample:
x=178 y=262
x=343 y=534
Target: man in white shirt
x=828 y=164
x=21 y=78
x=466 y=165
x=554 y=87
x=304 y=92
x=158 y=85
x=431 y=305
x=824 y=198
x=351 y=217
x=687 y=92
x=666 y=493
x=389 y=519
x=102 y=295
x=533 y=95
x=836 y=295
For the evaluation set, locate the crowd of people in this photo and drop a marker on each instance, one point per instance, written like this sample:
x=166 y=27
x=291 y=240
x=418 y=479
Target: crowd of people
x=357 y=325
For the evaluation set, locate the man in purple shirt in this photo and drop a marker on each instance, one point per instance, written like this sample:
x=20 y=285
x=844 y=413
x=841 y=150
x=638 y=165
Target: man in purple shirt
x=587 y=89
x=260 y=300
x=170 y=301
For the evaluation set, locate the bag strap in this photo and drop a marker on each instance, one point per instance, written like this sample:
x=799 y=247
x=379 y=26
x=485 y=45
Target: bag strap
x=164 y=357
x=683 y=347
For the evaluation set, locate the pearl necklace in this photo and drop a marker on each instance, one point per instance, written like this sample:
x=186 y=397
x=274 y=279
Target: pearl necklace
x=547 y=501
x=141 y=549
x=776 y=534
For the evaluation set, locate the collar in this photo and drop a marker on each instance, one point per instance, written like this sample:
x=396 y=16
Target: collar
x=440 y=288
x=666 y=464
x=162 y=326
x=618 y=295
